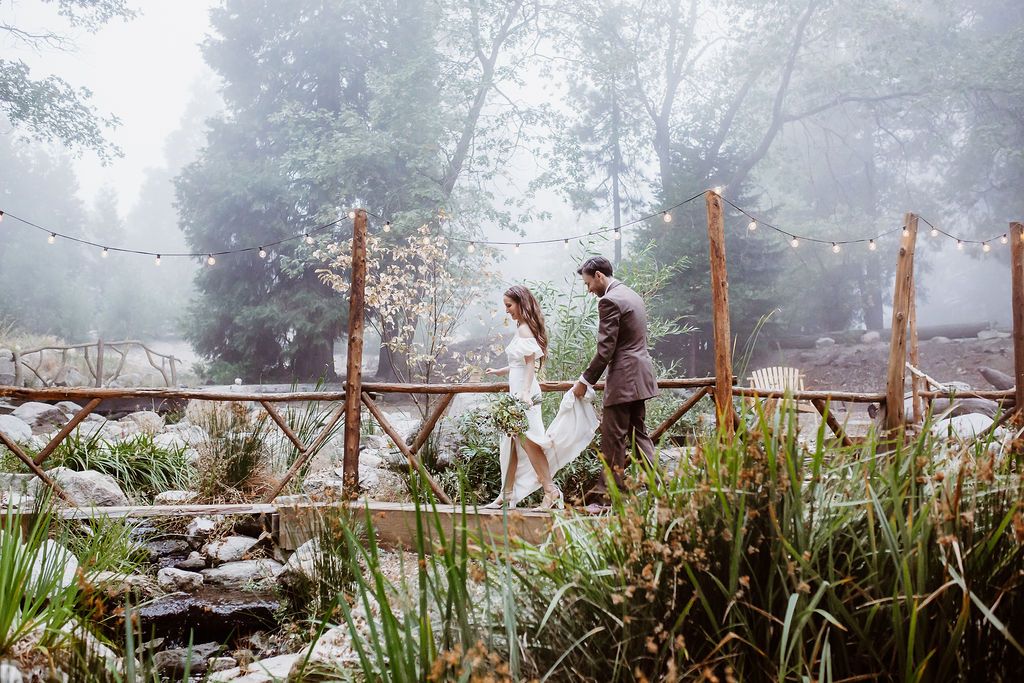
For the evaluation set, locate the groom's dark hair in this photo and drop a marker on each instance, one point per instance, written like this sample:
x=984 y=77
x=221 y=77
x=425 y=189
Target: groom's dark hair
x=595 y=264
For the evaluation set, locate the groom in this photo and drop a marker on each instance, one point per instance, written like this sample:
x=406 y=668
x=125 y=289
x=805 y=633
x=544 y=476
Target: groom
x=622 y=348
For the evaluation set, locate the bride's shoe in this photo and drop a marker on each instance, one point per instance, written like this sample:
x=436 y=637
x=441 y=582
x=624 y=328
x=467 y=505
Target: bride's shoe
x=504 y=498
x=552 y=499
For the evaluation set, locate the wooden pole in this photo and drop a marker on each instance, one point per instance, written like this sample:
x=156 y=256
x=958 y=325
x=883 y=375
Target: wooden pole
x=36 y=470
x=679 y=412
x=99 y=362
x=431 y=422
x=896 y=376
x=1017 y=302
x=915 y=356
x=831 y=421
x=307 y=453
x=66 y=429
x=720 y=313
x=354 y=371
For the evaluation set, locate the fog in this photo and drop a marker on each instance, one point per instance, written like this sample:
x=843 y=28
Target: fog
x=908 y=107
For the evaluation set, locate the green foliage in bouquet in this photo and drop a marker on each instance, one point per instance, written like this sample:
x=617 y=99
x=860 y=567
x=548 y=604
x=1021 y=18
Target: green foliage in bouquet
x=509 y=413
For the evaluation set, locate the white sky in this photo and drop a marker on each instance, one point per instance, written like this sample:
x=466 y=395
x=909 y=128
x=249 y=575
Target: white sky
x=141 y=70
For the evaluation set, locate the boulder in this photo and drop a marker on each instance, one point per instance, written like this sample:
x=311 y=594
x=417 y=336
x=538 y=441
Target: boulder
x=190 y=434
x=195 y=560
x=89 y=488
x=988 y=334
x=116 y=584
x=999 y=380
x=41 y=417
x=870 y=337
x=168 y=550
x=823 y=342
x=332 y=649
x=303 y=561
x=16 y=428
x=171 y=579
x=221 y=663
x=147 y=421
x=170 y=441
x=53 y=568
x=175 y=498
x=384 y=485
x=967 y=426
x=230 y=549
x=242 y=574
x=10 y=673
x=196 y=659
x=263 y=671
x=69 y=408
x=941 y=340
x=200 y=530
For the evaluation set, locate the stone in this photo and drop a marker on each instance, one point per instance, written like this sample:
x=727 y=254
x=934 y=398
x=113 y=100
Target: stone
x=147 y=421
x=189 y=433
x=116 y=584
x=333 y=648
x=870 y=337
x=169 y=548
x=10 y=673
x=824 y=342
x=53 y=568
x=384 y=485
x=174 y=662
x=242 y=574
x=69 y=408
x=229 y=549
x=17 y=429
x=171 y=579
x=999 y=380
x=940 y=340
x=175 y=498
x=303 y=561
x=967 y=426
x=263 y=671
x=988 y=334
x=200 y=530
x=74 y=378
x=370 y=459
x=221 y=663
x=195 y=560
x=41 y=417
x=89 y=488
x=170 y=441
x=376 y=442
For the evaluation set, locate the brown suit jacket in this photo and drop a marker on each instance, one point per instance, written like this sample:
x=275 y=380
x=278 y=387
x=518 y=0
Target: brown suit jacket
x=622 y=348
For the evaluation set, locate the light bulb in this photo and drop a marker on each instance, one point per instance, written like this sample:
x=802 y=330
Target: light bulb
x=718 y=189
x=871 y=245
x=985 y=247
x=262 y=253
x=387 y=226
x=960 y=245
x=517 y=249
x=565 y=245
x=210 y=260
x=1004 y=239
x=667 y=217
x=105 y=252
x=906 y=232
x=934 y=232
x=835 y=248
x=471 y=248
x=794 y=242
x=309 y=238
x=1 y=216
x=752 y=226
x=617 y=235
x=352 y=214
x=157 y=261
x=52 y=238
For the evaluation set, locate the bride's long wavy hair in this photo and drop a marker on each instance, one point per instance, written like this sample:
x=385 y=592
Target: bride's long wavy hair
x=530 y=313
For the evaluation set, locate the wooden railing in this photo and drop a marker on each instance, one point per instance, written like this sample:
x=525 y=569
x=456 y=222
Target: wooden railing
x=92 y=397
x=168 y=364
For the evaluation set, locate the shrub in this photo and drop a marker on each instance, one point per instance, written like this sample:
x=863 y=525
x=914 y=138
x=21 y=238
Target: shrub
x=234 y=462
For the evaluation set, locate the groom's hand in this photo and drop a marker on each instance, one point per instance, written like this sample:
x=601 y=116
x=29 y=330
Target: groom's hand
x=579 y=390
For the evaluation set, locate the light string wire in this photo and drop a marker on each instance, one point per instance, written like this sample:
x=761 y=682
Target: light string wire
x=663 y=212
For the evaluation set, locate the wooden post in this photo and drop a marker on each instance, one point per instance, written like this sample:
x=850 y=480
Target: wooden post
x=354 y=371
x=1017 y=301
x=720 y=313
x=915 y=356
x=174 y=371
x=896 y=376
x=99 y=363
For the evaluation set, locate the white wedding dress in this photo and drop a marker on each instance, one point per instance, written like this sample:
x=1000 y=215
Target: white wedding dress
x=570 y=432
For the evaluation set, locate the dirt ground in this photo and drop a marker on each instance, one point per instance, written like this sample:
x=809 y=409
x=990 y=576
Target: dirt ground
x=862 y=367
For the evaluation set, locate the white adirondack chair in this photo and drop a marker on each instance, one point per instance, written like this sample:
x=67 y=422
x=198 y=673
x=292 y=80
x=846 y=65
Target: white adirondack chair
x=779 y=378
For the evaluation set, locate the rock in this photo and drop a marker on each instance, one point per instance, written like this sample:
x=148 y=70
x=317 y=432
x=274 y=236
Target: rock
x=106 y=430
x=870 y=337
x=17 y=429
x=230 y=549
x=10 y=673
x=303 y=561
x=988 y=334
x=200 y=530
x=377 y=442
x=963 y=426
x=334 y=648
x=171 y=579
x=175 y=498
x=241 y=574
x=147 y=421
x=195 y=560
x=73 y=378
x=167 y=551
x=369 y=458
x=221 y=663
x=89 y=488
x=175 y=661
x=53 y=568
x=384 y=485
x=941 y=340
x=170 y=441
x=823 y=342
x=999 y=380
x=116 y=584
x=69 y=408
x=41 y=417
x=264 y=671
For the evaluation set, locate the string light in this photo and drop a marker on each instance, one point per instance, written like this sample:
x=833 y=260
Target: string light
x=157 y=261
x=935 y=232
x=835 y=248
x=309 y=238
x=718 y=189
x=517 y=248
x=471 y=248
x=906 y=231
x=666 y=216
x=387 y=226
x=262 y=253
x=352 y=215
x=52 y=238
x=617 y=235
x=794 y=242
x=960 y=245
x=1 y=216
x=985 y=247
x=1004 y=239
x=105 y=252
x=210 y=260
x=871 y=245
x=752 y=226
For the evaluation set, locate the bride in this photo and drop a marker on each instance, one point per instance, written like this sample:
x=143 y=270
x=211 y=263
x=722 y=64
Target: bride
x=570 y=432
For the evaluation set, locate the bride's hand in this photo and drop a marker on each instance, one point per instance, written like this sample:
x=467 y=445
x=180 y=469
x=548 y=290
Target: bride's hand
x=493 y=371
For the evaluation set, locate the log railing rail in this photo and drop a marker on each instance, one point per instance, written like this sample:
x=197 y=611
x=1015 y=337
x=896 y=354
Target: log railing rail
x=167 y=365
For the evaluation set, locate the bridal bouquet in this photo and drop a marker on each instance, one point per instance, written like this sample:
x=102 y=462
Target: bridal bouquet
x=509 y=413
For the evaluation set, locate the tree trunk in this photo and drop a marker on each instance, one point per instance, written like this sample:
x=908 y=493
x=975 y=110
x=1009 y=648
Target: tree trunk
x=314 y=359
